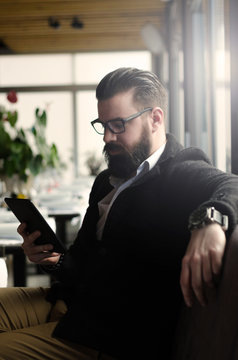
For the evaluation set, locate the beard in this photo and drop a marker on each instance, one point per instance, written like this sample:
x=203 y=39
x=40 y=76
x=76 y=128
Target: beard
x=123 y=165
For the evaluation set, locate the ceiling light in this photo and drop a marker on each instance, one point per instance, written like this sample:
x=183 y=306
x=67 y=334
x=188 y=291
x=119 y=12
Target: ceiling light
x=76 y=23
x=53 y=22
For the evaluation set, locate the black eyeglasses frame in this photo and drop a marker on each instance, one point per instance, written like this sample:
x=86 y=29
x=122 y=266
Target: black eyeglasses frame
x=106 y=124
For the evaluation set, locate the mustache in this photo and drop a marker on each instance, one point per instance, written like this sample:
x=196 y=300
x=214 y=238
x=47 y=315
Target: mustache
x=112 y=147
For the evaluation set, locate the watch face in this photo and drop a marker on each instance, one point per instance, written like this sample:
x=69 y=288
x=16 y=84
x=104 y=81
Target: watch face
x=203 y=216
x=198 y=217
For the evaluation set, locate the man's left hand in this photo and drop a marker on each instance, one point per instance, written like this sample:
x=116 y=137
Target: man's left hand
x=202 y=262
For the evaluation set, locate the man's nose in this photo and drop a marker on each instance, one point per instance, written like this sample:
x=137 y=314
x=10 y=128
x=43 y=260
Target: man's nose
x=109 y=136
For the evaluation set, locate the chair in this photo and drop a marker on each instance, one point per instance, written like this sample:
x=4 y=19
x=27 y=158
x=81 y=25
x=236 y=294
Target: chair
x=211 y=332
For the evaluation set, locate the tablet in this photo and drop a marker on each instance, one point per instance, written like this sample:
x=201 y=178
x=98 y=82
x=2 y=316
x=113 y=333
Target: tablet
x=26 y=212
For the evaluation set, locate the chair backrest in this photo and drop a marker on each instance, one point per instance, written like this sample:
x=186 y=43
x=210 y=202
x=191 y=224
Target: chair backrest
x=211 y=332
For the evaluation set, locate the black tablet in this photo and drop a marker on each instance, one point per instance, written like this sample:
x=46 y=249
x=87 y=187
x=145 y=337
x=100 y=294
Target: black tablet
x=26 y=212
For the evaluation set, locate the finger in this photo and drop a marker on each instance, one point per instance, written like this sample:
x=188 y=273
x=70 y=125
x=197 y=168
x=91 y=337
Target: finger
x=29 y=239
x=42 y=251
x=54 y=254
x=207 y=270
x=185 y=282
x=45 y=258
x=216 y=265
x=216 y=261
x=22 y=229
x=36 y=249
x=196 y=278
x=36 y=253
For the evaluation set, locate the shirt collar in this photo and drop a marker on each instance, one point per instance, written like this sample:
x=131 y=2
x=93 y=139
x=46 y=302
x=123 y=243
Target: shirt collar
x=152 y=159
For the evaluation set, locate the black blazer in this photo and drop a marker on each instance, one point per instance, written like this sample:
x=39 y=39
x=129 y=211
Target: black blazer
x=123 y=292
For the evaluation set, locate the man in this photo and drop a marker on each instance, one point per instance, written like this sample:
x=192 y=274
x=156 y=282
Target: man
x=119 y=283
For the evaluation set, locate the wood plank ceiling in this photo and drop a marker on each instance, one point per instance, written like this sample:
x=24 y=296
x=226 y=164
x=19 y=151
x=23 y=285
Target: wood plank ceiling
x=108 y=25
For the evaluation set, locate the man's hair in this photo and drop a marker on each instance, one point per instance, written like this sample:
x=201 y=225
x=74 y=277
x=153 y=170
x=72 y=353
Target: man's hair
x=148 y=90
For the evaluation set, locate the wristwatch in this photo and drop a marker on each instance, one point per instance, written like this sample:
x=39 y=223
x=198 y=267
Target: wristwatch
x=203 y=216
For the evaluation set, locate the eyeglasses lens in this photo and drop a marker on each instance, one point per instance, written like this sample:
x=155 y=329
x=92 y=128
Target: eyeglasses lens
x=99 y=127
x=115 y=126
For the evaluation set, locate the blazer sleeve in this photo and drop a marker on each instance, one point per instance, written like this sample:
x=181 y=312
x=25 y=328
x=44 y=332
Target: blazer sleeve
x=195 y=177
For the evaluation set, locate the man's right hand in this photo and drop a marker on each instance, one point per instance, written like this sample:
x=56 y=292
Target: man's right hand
x=39 y=254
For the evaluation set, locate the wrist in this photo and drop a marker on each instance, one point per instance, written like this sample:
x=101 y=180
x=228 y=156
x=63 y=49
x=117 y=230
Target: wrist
x=204 y=216
x=57 y=265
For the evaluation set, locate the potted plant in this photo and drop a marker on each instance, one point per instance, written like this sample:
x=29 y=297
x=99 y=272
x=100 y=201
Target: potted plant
x=24 y=152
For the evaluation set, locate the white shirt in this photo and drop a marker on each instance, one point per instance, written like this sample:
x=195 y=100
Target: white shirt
x=119 y=185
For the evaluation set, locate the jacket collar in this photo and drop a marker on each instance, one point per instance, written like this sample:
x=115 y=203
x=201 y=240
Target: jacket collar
x=172 y=147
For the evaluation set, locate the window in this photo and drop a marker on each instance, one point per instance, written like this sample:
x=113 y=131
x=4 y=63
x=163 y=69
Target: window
x=35 y=70
x=91 y=68
x=206 y=81
x=64 y=84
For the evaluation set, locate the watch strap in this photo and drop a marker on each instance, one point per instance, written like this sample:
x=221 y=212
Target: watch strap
x=217 y=217
x=204 y=216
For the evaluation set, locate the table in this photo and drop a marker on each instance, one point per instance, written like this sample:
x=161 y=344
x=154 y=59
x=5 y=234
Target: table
x=61 y=217
x=13 y=247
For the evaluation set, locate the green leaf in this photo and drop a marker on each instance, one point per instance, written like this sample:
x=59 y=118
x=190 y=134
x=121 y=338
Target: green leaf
x=5 y=141
x=41 y=118
x=34 y=131
x=53 y=156
x=35 y=164
x=12 y=118
x=21 y=135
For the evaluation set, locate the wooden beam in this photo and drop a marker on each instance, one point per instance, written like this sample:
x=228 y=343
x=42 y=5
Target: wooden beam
x=93 y=42
x=66 y=8
x=91 y=25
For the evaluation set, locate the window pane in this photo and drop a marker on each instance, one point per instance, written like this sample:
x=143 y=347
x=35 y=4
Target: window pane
x=220 y=85
x=92 y=67
x=23 y=70
x=89 y=142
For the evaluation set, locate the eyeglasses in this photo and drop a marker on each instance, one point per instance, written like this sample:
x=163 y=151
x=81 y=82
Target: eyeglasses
x=116 y=126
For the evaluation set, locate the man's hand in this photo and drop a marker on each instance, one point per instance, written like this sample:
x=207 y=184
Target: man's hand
x=202 y=261
x=39 y=254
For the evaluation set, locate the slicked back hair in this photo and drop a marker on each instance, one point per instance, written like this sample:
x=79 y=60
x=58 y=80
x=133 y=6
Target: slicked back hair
x=148 y=90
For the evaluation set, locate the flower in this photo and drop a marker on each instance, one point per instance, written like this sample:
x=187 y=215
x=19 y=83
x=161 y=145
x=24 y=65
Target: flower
x=12 y=97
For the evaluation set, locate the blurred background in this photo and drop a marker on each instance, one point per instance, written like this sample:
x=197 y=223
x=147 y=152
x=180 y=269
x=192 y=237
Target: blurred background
x=52 y=55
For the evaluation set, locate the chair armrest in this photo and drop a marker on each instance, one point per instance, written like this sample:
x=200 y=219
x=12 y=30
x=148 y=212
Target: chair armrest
x=211 y=332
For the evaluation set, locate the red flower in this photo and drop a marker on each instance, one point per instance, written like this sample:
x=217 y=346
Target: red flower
x=12 y=96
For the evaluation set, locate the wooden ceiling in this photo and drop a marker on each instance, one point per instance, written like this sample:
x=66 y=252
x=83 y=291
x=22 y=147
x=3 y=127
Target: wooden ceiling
x=108 y=25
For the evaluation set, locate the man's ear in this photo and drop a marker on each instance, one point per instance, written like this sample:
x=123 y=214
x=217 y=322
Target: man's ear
x=157 y=118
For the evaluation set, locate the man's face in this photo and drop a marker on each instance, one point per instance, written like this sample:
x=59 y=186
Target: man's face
x=126 y=151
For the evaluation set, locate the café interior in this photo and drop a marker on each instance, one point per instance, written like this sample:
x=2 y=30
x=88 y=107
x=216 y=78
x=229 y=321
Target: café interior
x=53 y=54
